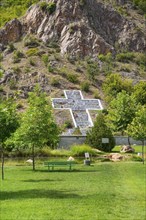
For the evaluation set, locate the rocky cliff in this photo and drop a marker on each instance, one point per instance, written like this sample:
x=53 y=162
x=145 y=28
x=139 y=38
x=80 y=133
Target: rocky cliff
x=81 y=27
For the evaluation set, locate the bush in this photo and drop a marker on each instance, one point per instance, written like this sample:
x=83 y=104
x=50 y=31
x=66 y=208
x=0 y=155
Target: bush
x=80 y=150
x=32 y=52
x=45 y=59
x=72 y=78
x=85 y=86
x=99 y=131
x=125 y=57
x=55 y=81
x=30 y=41
x=68 y=124
x=48 y=7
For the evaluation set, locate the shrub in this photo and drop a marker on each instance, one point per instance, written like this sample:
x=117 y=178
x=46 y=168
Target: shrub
x=72 y=78
x=1 y=73
x=50 y=68
x=80 y=150
x=125 y=57
x=85 y=86
x=96 y=94
x=32 y=63
x=30 y=41
x=92 y=70
x=45 y=59
x=17 y=56
x=50 y=7
x=68 y=124
x=32 y=52
x=55 y=81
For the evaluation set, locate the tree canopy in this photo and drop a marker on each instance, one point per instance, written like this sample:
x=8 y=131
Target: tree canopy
x=37 y=126
x=99 y=131
x=121 y=112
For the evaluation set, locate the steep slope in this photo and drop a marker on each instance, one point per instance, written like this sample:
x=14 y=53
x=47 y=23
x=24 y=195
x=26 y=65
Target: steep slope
x=81 y=28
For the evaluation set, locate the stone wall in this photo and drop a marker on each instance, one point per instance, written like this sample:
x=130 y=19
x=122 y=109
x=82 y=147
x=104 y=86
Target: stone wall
x=67 y=141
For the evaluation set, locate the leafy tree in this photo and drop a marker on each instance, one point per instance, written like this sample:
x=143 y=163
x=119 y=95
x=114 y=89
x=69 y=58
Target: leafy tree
x=37 y=125
x=99 y=131
x=121 y=112
x=114 y=84
x=8 y=124
x=140 y=92
x=137 y=128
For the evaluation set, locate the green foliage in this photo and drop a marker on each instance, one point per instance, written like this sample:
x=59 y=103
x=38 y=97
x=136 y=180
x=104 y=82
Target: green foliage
x=92 y=70
x=32 y=52
x=72 y=78
x=140 y=92
x=99 y=131
x=8 y=119
x=68 y=124
x=55 y=81
x=17 y=56
x=137 y=128
x=125 y=57
x=13 y=8
x=85 y=86
x=37 y=124
x=31 y=42
x=48 y=7
x=107 y=62
x=1 y=73
x=45 y=59
x=114 y=84
x=141 y=4
x=32 y=62
x=121 y=112
x=80 y=150
x=50 y=68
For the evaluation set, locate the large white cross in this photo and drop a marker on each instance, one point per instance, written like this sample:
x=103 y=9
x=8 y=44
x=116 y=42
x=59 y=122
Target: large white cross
x=78 y=107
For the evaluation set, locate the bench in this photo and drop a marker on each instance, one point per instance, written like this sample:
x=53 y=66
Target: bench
x=59 y=163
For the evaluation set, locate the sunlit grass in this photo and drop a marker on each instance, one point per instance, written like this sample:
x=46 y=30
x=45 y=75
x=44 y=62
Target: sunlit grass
x=104 y=191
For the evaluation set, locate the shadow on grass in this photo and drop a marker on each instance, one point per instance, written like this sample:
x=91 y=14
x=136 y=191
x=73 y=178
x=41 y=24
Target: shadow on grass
x=38 y=181
x=38 y=193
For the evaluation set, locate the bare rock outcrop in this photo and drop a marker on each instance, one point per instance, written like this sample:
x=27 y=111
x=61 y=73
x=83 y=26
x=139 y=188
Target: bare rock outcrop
x=11 y=32
x=81 y=28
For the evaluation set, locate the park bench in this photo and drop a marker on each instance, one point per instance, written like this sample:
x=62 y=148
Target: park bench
x=59 y=163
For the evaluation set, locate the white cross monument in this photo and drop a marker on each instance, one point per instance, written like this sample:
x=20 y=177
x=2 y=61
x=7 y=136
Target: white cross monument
x=78 y=107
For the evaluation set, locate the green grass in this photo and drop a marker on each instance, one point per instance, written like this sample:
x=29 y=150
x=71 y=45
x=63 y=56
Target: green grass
x=104 y=191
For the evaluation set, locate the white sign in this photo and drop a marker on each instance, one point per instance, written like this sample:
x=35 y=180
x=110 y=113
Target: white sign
x=87 y=155
x=105 y=140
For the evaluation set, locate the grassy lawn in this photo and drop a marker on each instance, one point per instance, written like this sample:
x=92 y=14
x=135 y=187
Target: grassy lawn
x=104 y=191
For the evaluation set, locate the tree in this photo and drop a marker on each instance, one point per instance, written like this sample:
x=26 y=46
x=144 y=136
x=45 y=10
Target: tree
x=121 y=112
x=114 y=84
x=140 y=92
x=99 y=131
x=8 y=124
x=137 y=128
x=37 y=125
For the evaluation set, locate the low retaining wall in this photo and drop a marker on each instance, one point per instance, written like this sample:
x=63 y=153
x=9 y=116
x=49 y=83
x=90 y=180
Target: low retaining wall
x=67 y=141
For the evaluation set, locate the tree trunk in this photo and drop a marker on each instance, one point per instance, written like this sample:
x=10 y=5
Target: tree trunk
x=33 y=158
x=143 y=152
x=2 y=157
x=129 y=141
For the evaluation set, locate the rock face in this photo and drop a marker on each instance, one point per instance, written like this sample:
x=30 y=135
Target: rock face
x=11 y=32
x=81 y=28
